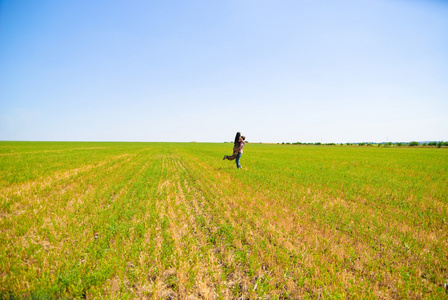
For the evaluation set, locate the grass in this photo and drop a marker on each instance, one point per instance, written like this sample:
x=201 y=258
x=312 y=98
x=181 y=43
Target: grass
x=173 y=220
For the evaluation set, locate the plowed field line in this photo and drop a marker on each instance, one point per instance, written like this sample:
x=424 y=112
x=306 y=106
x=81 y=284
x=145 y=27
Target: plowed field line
x=52 y=151
x=23 y=188
x=281 y=219
x=58 y=221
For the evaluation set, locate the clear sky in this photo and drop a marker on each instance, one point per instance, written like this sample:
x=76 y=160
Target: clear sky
x=278 y=71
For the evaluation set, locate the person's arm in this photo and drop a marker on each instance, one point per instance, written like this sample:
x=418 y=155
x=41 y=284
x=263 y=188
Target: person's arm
x=242 y=143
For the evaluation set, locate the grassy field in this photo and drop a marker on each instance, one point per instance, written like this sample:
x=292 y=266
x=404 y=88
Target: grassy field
x=173 y=220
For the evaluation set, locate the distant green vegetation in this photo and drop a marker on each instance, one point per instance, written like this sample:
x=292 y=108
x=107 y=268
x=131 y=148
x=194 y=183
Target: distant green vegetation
x=388 y=144
x=173 y=220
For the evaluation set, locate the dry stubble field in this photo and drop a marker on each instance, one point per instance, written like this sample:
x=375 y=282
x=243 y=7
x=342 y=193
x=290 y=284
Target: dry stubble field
x=173 y=220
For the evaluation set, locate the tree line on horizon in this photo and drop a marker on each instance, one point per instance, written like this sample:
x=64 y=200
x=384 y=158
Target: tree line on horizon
x=438 y=144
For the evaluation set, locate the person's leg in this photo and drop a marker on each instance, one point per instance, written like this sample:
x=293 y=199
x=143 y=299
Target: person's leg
x=238 y=160
x=233 y=156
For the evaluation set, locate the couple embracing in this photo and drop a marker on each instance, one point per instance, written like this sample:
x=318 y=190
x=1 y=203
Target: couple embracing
x=237 y=149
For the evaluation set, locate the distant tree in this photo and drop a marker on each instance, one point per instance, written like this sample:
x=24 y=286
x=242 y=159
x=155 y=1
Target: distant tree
x=400 y=144
x=439 y=144
x=317 y=144
x=413 y=144
x=432 y=143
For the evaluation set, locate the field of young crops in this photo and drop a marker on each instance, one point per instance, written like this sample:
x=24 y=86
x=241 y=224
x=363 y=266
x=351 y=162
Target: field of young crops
x=173 y=220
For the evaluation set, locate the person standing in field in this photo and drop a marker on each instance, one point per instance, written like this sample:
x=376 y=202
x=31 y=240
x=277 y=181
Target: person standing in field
x=237 y=149
x=236 y=146
x=240 y=152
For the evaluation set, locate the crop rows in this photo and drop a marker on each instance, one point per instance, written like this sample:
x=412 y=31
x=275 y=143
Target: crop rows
x=167 y=220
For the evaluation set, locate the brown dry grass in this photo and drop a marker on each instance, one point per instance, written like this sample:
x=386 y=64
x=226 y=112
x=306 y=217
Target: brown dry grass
x=171 y=224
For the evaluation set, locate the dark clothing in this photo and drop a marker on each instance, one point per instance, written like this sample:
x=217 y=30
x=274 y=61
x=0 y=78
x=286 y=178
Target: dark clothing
x=237 y=150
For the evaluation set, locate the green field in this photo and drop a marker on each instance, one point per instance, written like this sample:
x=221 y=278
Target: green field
x=173 y=220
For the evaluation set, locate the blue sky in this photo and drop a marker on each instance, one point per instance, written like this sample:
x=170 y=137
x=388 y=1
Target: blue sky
x=278 y=71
